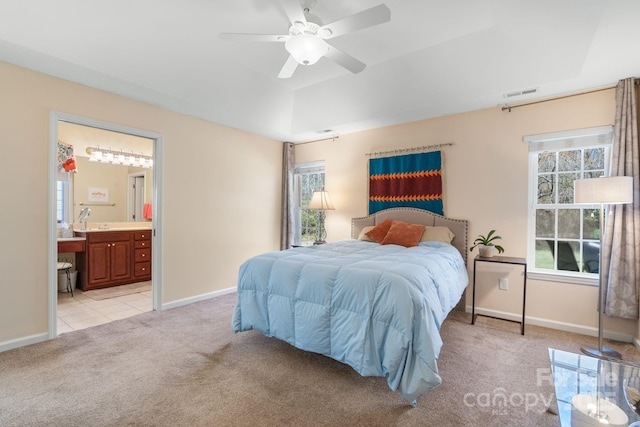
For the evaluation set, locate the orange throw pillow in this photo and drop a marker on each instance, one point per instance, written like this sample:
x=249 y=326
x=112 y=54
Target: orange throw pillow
x=401 y=233
x=378 y=233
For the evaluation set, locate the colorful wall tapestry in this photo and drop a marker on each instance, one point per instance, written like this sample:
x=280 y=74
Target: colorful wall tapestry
x=66 y=159
x=412 y=180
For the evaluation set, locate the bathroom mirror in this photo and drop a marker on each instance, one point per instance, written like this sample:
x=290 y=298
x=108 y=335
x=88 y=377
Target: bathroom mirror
x=114 y=192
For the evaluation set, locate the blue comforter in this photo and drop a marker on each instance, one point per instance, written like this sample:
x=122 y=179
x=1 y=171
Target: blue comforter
x=377 y=308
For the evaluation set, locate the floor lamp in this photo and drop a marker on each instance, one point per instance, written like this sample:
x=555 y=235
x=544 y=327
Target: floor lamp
x=320 y=201
x=612 y=190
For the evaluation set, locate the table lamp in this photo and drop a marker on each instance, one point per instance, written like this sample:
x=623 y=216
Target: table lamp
x=320 y=201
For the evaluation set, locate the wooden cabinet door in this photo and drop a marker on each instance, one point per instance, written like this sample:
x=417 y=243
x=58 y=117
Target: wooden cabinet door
x=111 y=260
x=99 y=260
x=120 y=260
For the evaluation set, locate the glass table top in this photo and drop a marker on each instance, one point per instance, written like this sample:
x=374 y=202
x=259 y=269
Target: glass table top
x=593 y=392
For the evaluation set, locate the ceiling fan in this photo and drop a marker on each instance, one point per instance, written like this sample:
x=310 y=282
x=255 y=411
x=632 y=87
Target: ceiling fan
x=306 y=41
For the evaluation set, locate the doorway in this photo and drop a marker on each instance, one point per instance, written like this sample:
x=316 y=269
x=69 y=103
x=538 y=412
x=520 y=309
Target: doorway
x=135 y=196
x=58 y=121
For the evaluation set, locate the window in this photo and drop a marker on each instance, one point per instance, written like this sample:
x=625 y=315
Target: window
x=564 y=237
x=62 y=198
x=308 y=178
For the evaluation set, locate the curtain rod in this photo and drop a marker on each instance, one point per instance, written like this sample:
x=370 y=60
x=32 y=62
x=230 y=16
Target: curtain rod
x=510 y=107
x=333 y=138
x=406 y=150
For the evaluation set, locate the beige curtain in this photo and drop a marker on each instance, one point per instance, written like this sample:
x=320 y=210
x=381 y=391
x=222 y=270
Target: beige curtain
x=288 y=200
x=621 y=253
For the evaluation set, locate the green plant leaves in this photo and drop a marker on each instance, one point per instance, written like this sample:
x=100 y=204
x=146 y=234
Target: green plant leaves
x=488 y=241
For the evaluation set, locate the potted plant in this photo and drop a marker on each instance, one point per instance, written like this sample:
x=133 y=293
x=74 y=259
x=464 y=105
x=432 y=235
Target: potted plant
x=485 y=244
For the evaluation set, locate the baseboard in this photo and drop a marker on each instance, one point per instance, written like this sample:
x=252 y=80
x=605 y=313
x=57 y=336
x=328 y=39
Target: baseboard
x=21 y=342
x=34 y=339
x=197 y=298
x=561 y=326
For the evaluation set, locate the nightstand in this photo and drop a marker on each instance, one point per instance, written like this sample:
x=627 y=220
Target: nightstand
x=500 y=260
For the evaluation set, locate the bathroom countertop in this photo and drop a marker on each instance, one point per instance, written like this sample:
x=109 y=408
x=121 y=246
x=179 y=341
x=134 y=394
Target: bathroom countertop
x=70 y=239
x=100 y=230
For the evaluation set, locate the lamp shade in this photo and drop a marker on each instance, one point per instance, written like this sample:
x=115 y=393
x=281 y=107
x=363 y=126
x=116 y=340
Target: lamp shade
x=306 y=49
x=320 y=201
x=613 y=190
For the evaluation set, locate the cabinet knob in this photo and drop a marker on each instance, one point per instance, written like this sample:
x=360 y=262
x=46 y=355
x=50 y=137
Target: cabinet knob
x=144 y=255
x=143 y=236
x=142 y=244
x=144 y=269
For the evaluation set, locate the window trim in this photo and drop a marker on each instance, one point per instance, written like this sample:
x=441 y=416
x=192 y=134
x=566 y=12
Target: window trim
x=555 y=141
x=315 y=167
x=65 y=179
x=578 y=133
x=561 y=277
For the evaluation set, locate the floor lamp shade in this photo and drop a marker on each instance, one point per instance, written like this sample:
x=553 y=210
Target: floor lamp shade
x=613 y=190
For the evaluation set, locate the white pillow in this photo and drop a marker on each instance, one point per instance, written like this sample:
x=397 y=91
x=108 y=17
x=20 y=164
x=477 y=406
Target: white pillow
x=363 y=233
x=438 y=233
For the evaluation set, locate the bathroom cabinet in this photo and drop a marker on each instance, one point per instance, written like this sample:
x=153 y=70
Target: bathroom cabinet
x=112 y=258
x=71 y=245
x=142 y=255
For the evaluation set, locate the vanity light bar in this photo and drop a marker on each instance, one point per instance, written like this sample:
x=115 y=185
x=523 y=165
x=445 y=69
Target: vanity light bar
x=103 y=155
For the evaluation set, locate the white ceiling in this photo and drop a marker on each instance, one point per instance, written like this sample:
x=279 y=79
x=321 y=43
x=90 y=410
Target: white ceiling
x=434 y=58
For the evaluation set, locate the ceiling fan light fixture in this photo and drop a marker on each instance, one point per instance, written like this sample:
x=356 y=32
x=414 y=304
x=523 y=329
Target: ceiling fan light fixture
x=306 y=49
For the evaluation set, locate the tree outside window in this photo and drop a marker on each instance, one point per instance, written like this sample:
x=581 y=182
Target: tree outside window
x=565 y=236
x=308 y=178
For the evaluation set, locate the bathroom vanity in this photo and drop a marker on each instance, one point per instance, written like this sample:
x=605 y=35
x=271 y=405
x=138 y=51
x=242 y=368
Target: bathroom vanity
x=114 y=257
x=71 y=244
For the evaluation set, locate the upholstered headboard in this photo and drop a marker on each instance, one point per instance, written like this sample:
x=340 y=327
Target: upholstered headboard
x=459 y=227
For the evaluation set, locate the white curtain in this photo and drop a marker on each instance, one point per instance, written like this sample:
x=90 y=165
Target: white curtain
x=621 y=252
x=288 y=200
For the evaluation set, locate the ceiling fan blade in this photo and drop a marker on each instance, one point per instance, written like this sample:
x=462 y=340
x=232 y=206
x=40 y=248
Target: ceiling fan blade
x=367 y=18
x=246 y=37
x=288 y=68
x=294 y=11
x=345 y=60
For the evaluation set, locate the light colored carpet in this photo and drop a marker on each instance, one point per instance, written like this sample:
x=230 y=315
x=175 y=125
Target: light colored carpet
x=186 y=367
x=118 y=291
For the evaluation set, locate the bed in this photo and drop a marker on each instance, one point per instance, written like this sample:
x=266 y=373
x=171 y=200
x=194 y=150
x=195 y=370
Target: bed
x=376 y=307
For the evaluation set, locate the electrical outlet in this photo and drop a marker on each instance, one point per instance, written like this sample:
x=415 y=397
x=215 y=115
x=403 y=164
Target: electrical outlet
x=503 y=284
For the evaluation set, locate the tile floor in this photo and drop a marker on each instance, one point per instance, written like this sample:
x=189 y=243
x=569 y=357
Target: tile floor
x=80 y=311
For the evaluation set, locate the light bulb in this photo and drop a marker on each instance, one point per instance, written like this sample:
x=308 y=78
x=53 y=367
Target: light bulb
x=306 y=49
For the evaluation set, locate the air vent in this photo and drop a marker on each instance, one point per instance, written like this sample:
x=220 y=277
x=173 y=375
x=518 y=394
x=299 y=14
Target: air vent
x=520 y=92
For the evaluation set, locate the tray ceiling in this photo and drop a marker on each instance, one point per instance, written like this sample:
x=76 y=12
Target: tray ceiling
x=433 y=58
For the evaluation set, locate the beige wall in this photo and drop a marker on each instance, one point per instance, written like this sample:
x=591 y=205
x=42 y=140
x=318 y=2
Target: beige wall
x=214 y=177
x=100 y=175
x=485 y=181
x=115 y=178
